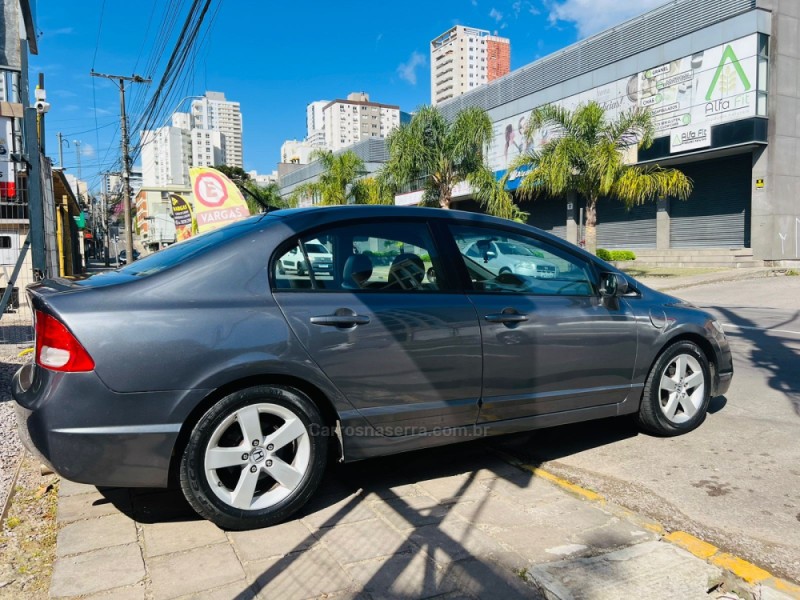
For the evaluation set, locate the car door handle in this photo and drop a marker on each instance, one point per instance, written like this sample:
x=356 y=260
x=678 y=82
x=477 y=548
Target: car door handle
x=340 y=320
x=506 y=318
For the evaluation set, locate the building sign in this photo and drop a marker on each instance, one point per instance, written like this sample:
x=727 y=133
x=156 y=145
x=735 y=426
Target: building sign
x=689 y=138
x=713 y=86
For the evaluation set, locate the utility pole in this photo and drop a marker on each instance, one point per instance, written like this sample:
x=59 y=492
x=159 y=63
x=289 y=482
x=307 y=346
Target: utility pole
x=61 y=141
x=120 y=80
x=78 y=154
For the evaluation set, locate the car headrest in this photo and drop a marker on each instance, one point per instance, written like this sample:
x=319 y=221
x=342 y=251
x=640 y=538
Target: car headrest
x=407 y=272
x=357 y=270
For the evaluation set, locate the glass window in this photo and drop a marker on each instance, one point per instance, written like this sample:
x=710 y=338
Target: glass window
x=370 y=257
x=501 y=262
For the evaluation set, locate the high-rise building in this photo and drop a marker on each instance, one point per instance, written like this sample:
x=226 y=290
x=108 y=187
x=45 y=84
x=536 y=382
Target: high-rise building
x=166 y=154
x=356 y=118
x=315 y=123
x=296 y=152
x=463 y=58
x=214 y=113
x=207 y=146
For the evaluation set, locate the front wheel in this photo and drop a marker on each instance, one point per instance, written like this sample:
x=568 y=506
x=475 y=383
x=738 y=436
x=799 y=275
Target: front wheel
x=677 y=392
x=254 y=458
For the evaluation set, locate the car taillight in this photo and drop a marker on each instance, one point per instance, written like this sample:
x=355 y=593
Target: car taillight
x=57 y=348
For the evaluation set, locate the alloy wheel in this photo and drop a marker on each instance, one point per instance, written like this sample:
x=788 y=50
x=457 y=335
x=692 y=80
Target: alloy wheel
x=682 y=388
x=257 y=456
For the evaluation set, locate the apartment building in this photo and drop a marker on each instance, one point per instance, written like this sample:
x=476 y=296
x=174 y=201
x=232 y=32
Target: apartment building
x=463 y=58
x=214 y=113
x=356 y=118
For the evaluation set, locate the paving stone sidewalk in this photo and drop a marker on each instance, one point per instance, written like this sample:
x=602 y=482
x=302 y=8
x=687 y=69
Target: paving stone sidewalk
x=454 y=523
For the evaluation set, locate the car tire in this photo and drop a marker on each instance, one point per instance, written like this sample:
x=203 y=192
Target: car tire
x=233 y=481
x=677 y=391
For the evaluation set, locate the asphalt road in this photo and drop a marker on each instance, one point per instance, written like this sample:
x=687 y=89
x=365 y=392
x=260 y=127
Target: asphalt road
x=735 y=481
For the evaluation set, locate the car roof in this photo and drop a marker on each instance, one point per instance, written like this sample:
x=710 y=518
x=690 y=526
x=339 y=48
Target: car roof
x=327 y=214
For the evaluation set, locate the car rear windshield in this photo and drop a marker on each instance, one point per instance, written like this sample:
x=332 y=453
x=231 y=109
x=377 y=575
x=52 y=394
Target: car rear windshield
x=175 y=254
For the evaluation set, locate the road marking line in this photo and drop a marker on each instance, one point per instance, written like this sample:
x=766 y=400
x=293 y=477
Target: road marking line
x=741 y=568
x=761 y=328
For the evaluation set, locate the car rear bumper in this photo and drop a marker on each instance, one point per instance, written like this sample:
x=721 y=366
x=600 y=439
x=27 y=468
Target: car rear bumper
x=89 y=434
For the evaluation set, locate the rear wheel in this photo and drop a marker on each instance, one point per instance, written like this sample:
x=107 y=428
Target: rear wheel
x=255 y=457
x=677 y=392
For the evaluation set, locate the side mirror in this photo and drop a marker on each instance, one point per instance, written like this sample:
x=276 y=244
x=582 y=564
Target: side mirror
x=613 y=285
x=489 y=255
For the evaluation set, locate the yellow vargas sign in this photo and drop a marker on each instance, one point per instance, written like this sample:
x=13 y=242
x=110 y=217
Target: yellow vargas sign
x=217 y=200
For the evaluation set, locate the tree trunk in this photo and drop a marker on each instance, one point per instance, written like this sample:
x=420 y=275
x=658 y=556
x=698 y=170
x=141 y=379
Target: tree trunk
x=590 y=234
x=445 y=195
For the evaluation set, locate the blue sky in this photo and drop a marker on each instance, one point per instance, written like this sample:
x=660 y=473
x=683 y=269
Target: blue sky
x=275 y=57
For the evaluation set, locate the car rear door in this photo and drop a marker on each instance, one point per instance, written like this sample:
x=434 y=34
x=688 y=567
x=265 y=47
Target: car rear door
x=387 y=326
x=550 y=343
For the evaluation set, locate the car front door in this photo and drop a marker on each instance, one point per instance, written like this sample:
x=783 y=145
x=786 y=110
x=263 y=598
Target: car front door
x=550 y=343
x=387 y=326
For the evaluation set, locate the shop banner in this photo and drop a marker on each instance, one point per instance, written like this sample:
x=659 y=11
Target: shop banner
x=182 y=215
x=218 y=201
x=717 y=85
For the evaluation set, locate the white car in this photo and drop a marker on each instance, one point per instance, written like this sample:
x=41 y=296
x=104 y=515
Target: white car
x=295 y=262
x=508 y=257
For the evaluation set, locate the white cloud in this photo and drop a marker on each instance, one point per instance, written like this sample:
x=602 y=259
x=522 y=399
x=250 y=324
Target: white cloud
x=87 y=150
x=408 y=70
x=496 y=15
x=591 y=16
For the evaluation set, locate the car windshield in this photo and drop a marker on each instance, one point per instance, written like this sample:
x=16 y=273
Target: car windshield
x=314 y=248
x=506 y=248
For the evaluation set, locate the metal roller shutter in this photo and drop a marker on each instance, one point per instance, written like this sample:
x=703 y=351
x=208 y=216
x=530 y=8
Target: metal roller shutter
x=717 y=214
x=618 y=227
x=549 y=214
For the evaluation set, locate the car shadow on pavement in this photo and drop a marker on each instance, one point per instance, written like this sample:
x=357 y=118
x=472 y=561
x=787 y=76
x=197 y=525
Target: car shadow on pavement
x=774 y=352
x=415 y=519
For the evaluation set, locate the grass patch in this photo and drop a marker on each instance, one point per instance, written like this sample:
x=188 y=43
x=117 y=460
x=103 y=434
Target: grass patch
x=28 y=536
x=643 y=271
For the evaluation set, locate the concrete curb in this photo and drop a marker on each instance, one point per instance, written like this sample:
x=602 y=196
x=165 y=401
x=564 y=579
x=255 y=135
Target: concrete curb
x=721 y=277
x=738 y=567
x=13 y=485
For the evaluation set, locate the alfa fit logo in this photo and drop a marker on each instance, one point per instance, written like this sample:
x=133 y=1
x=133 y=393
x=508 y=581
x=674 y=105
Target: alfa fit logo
x=725 y=75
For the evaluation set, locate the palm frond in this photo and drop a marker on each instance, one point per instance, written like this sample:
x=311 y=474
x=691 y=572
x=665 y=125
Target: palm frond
x=637 y=185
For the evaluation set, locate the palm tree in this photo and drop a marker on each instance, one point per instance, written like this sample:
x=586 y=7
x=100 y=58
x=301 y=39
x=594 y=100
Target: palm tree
x=586 y=157
x=336 y=184
x=374 y=190
x=443 y=154
x=264 y=197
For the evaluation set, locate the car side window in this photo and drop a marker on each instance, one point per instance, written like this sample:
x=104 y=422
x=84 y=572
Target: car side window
x=369 y=257
x=503 y=262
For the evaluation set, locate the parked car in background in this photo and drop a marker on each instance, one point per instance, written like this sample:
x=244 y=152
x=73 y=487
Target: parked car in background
x=297 y=260
x=122 y=257
x=509 y=257
x=216 y=370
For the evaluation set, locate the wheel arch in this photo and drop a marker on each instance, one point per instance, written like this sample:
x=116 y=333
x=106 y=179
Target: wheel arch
x=327 y=410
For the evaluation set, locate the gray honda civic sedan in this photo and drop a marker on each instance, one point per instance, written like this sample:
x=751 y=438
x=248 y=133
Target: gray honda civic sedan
x=208 y=366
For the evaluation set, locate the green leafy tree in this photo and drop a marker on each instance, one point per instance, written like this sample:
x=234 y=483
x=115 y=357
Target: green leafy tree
x=586 y=156
x=440 y=154
x=236 y=174
x=338 y=182
x=374 y=190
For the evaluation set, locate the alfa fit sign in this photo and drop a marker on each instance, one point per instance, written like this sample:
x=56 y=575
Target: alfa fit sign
x=689 y=138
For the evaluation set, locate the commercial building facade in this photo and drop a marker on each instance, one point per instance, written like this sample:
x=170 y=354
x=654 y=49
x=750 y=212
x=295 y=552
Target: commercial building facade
x=463 y=58
x=722 y=81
